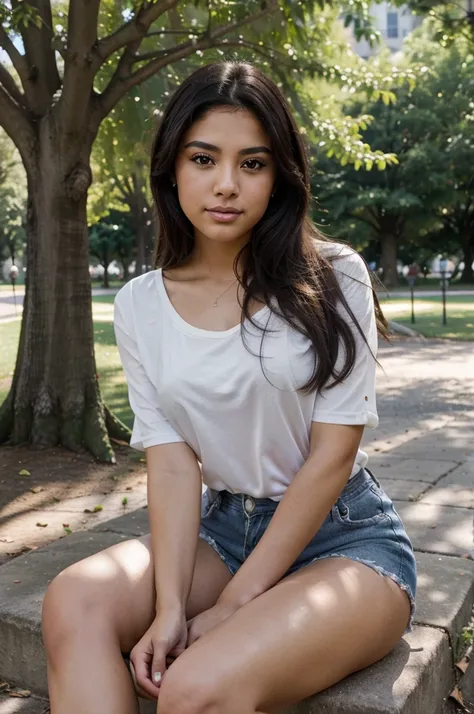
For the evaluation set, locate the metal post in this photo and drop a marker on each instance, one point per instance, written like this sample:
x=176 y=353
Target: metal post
x=412 y=305
x=14 y=272
x=443 y=266
x=443 y=288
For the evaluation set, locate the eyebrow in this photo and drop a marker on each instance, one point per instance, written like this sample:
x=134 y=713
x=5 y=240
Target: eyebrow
x=242 y=152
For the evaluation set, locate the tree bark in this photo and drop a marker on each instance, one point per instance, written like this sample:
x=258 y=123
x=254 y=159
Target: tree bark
x=137 y=202
x=388 y=258
x=55 y=396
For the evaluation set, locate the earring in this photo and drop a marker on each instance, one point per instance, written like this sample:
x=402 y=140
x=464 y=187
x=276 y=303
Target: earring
x=173 y=183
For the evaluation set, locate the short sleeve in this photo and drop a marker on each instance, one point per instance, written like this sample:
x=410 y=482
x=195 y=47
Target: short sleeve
x=150 y=426
x=353 y=401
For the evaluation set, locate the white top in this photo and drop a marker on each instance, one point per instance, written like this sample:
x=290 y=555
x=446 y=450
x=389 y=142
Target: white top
x=250 y=434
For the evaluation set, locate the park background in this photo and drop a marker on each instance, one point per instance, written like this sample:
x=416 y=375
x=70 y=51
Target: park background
x=383 y=94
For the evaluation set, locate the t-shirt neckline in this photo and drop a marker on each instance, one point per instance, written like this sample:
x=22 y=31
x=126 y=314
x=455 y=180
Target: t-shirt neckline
x=192 y=329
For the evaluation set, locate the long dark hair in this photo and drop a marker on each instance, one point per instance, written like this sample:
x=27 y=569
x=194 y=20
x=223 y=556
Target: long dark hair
x=281 y=261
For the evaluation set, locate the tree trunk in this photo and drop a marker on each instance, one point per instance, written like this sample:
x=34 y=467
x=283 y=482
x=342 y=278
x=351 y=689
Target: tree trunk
x=468 y=258
x=125 y=266
x=105 y=265
x=388 y=259
x=141 y=217
x=55 y=395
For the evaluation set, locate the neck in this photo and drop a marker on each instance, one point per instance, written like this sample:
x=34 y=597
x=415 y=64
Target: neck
x=216 y=259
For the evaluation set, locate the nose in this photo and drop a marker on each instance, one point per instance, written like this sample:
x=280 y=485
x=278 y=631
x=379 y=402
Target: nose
x=226 y=182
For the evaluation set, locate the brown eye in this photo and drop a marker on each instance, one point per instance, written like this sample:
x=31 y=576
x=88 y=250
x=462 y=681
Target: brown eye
x=201 y=160
x=254 y=164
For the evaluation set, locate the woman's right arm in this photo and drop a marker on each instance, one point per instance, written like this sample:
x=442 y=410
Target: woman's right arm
x=174 y=502
x=174 y=510
x=174 y=506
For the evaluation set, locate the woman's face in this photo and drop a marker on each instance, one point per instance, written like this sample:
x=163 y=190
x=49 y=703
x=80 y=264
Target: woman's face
x=225 y=164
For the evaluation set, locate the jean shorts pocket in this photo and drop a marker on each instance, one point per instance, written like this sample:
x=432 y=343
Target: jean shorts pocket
x=362 y=508
x=209 y=502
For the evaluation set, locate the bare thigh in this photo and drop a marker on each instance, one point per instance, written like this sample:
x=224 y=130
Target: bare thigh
x=311 y=630
x=117 y=585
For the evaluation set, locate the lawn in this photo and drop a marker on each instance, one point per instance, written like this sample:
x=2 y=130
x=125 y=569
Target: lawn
x=428 y=315
x=112 y=381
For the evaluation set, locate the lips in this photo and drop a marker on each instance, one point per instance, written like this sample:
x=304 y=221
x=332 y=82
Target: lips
x=222 y=209
x=223 y=214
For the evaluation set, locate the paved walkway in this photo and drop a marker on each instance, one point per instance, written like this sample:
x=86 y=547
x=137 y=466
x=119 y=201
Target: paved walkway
x=423 y=454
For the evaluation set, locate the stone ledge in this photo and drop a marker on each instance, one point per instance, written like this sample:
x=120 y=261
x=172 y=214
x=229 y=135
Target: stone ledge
x=413 y=679
x=444 y=599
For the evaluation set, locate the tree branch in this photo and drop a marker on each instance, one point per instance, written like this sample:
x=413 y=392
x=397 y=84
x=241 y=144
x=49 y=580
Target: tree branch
x=17 y=59
x=184 y=31
x=37 y=41
x=123 y=186
x=10 y=86
x=120 y=85
x=79 y=71
x=132 y=31
x=19 y=129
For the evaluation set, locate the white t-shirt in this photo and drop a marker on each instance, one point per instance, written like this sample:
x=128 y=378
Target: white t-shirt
x=249 y=433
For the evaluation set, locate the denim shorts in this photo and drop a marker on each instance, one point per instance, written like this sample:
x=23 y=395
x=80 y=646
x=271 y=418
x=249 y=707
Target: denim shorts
x=363 y=525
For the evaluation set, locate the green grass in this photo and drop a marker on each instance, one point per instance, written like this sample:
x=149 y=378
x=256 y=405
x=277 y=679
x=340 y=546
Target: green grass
x=428 y=315
x=111 y=378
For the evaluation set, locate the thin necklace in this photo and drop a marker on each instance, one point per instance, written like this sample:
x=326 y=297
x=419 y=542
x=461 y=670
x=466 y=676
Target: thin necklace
x=219 y=296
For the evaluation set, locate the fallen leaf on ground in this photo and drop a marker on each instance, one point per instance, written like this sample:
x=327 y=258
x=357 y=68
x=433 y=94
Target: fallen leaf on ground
x=24 y=472
x=463 y=664
x=41 y=525
x=36 y=489
x=96 y=509
x=457 y=695
x=119 y=441
x=4 y=686
x=21 y=693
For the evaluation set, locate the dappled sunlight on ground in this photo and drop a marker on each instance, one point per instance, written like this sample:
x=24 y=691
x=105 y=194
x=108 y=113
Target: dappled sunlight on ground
x=62 y=485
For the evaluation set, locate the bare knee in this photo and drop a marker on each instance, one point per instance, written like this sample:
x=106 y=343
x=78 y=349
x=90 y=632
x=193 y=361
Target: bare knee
x=185 y=691
x=73 y=607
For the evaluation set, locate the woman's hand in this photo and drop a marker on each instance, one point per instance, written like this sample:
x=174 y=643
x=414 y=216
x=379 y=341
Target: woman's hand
x=208 y=619
x=164 y=640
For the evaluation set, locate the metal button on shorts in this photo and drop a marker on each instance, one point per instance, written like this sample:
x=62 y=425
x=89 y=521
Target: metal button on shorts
x=249 y=504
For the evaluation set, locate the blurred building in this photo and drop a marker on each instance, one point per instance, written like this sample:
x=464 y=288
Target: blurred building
x=393 y=23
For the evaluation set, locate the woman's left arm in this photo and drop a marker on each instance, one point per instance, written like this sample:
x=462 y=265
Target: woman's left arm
x=300 y=514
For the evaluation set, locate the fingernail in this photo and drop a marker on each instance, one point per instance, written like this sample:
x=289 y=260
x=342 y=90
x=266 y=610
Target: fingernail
x=157 y=677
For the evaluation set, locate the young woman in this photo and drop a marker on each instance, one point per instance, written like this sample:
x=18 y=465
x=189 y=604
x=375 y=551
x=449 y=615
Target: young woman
x=250 y=359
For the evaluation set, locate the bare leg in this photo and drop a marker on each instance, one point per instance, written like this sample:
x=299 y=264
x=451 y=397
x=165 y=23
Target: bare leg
x=100 y=607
